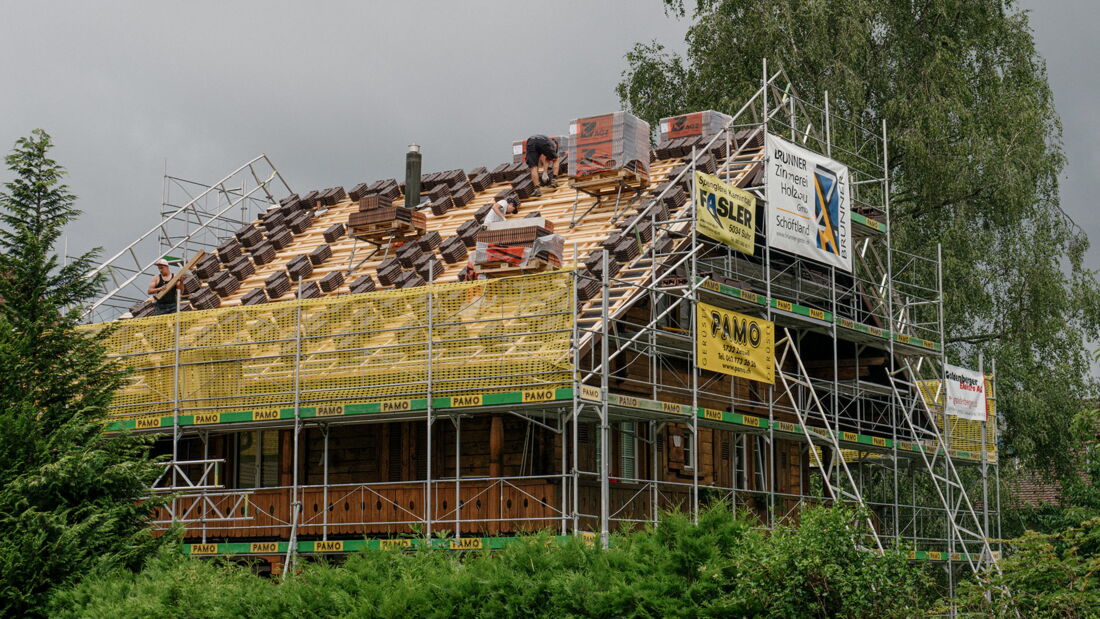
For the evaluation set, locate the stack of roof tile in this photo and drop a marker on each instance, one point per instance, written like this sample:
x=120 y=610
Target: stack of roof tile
x=608 y=142
x=189 y=285
x=374 y=200
x=272 y=220
x=332 y=281
x=430 y=241
x=299 y=267
x=280 y=237
x=205 y=299
x=462 y=193
x=293 y=201
x=300 y=222
x=310 y=200
x=241 y=268
x=442 y=204
x=387 y=187
x=206 y=267
x=254 y=297
x=467 y=232
x=428 y=267
x=308 y=290
x=229 y=251
x=362 y=284
x=320 y=254
x=277 y=284
x=225 y=284
x=389 y=271
x=453 y=250
x=263 y=253
x=357 y=192
x=334 y=232
x=144 y=308
x=408 y=254
x=249 y=235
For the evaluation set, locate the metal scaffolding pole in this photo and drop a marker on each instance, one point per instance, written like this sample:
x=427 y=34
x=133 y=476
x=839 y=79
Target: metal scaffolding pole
x=605 y=430
x=295 y=502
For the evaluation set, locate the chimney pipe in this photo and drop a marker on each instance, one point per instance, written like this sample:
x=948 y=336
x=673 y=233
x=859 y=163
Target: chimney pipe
x=412 y=176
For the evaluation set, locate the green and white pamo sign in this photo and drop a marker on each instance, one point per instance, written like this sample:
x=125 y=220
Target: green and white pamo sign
x=809 y=203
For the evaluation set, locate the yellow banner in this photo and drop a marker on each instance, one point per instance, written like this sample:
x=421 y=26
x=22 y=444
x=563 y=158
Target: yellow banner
x=735 y=344
x=724 y=212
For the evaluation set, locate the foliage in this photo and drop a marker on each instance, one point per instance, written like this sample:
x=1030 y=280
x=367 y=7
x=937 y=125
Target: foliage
x=720 y=567
x=1046 y=575
x=975 y=156
x=1079 y=499
x=68 y=496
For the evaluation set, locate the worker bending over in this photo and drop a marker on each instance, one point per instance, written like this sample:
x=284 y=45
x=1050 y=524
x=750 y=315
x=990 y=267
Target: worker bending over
x=501 y=209
x=541 y=151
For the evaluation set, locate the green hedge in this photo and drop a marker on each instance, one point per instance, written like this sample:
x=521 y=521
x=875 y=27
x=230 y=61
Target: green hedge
x=720 y=567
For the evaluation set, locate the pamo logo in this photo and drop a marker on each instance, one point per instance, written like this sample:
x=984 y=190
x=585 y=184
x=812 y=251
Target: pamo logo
x=741 y=331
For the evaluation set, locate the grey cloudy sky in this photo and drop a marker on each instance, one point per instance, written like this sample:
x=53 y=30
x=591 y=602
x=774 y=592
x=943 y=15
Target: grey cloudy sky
x=334 y=91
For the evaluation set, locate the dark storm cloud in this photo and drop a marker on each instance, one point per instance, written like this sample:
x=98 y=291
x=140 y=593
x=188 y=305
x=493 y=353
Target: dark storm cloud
x=334 y=91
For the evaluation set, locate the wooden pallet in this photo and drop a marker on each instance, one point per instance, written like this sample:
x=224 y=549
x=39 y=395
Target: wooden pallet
x=387 y=230
x=607 y=183
x=503 y=269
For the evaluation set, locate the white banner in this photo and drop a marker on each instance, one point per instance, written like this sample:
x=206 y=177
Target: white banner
x=965 y=393
x=809 y=203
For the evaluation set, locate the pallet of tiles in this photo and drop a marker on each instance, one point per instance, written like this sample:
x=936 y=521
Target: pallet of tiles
x=607 y=143
x=524 y=236
x=381 y=223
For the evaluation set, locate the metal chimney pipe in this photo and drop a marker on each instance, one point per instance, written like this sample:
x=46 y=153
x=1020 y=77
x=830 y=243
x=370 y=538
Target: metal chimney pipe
x=412 y=176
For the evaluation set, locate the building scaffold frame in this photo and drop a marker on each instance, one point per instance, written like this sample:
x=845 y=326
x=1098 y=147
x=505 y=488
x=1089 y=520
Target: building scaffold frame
x=602 y=396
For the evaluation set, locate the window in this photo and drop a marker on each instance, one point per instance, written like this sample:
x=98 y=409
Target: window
x=761 y=452
x=628 y=443
x=687 y=449
x=258 y=459
x=739 y=480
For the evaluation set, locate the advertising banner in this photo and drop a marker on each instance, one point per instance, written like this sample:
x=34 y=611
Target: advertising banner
x=809 y=203
x=724 y=212
x=965 y=393
x=735 y=344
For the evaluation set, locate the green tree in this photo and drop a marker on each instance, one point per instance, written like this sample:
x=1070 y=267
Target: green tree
x=975 y=155
x=69 y=496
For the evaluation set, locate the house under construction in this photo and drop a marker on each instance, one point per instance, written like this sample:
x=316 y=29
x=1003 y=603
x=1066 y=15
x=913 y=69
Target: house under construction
x=375 y=368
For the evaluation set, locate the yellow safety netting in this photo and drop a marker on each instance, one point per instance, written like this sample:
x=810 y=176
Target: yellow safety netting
x=486 y=336
x=960 y=433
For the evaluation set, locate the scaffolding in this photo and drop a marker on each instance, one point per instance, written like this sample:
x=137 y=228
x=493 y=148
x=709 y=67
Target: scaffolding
x=207 y=215
x=606 y=391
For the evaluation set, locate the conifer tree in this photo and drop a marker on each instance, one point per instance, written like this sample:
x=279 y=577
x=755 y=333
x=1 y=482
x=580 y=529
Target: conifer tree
x=70 y=497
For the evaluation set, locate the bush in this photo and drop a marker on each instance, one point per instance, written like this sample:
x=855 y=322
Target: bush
x=1044 y=575
x=721 y=567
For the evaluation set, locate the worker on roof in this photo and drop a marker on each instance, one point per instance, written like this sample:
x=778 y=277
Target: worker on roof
x=168 y=303
x=501 y=209
x=541 y=151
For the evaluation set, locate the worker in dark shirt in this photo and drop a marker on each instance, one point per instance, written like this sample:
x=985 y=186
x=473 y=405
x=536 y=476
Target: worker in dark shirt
x=168 y=303
x=541 y=152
